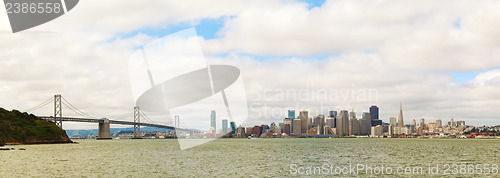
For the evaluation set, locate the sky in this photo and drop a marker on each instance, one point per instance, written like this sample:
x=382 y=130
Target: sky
x=440 y=59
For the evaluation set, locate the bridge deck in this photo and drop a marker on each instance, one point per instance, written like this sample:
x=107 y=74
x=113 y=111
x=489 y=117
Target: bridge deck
x=74 y=119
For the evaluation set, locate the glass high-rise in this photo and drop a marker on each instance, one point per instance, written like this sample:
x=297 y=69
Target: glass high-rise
x=374 y=115
x=224 y=126
x=212 y=120
x=291 y=114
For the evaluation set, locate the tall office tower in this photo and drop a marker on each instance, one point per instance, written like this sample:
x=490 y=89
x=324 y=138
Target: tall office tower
x=319 y=123
x=233 y=126
x=304 y=119
x=286 y=129
x=343 y=123
x=422 y=123
x=365 y=123
x=354 y=126
x=330 y=122
x=414 y=123
x=401 y=122
x=333 y=114
x=288 y=125
x=452 y=123
x=291 y=114
x=439 y=123
x=352 y=114
x=297 y=123
x=212 y=120
x=224 y=126
x=393 y=121
x=374 y=115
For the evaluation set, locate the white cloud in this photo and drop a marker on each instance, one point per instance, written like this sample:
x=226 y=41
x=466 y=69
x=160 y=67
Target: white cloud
x=401 y=49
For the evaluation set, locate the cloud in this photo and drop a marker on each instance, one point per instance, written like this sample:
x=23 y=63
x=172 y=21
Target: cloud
x=401 y=50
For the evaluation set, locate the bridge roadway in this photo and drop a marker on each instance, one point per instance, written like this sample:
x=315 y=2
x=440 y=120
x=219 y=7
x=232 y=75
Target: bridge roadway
x=101 y=121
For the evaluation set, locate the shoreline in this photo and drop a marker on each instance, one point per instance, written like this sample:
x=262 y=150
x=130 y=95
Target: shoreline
x=39 y=143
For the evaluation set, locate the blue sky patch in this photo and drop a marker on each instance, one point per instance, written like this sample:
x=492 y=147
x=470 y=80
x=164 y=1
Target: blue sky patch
x=457 y=23
x=462 y=77
x=314 y=3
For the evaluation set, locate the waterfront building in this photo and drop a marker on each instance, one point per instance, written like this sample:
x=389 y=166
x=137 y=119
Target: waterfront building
x=365 y=123
x=354 y=126
x=224 y=126
x=256 y=131
x=343 y=123
x=327 y=130
x=319 y=123
x=297 y=130
x=376 y=131
x=330 y=122
x=287 y=129
x=401 y=122
x=248 y=131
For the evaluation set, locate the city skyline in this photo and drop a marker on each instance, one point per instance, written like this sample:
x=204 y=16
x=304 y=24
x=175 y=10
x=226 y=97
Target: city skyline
x=447 y=74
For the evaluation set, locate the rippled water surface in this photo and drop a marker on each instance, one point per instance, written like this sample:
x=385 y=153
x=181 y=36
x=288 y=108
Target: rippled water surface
x=236 y=157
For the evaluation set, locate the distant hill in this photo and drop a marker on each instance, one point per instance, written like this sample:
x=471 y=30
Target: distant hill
x=24 y=128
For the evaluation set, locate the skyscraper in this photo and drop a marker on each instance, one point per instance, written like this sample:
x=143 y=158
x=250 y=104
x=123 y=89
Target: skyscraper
x=291 y=114
x=374 y=115
x=343 y=123
x=319 y=123
x=212 y=120
x=401 y=122
x=393 y=121
x=330 y=122
x=365 y=123
x=224 y=126
x=352 y=114
x=333 y=114
x=297 y=127
x=304 y=119
x=354 y=126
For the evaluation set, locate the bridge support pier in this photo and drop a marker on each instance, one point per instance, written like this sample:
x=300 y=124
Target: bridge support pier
x=104 y=132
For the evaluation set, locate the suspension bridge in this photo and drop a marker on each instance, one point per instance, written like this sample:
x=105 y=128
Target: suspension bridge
x=104 y=123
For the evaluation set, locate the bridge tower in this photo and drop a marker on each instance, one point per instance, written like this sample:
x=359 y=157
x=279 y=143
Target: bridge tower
x=137 y=120
x=57 y=110
x=177 y=122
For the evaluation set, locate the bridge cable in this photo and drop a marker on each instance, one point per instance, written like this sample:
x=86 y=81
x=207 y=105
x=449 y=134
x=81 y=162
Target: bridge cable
x=125 y=116
x=74 y=109
x=146 y=117
x=40 y=105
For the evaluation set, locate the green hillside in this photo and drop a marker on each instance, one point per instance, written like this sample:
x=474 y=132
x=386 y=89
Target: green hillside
x=24 y=128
